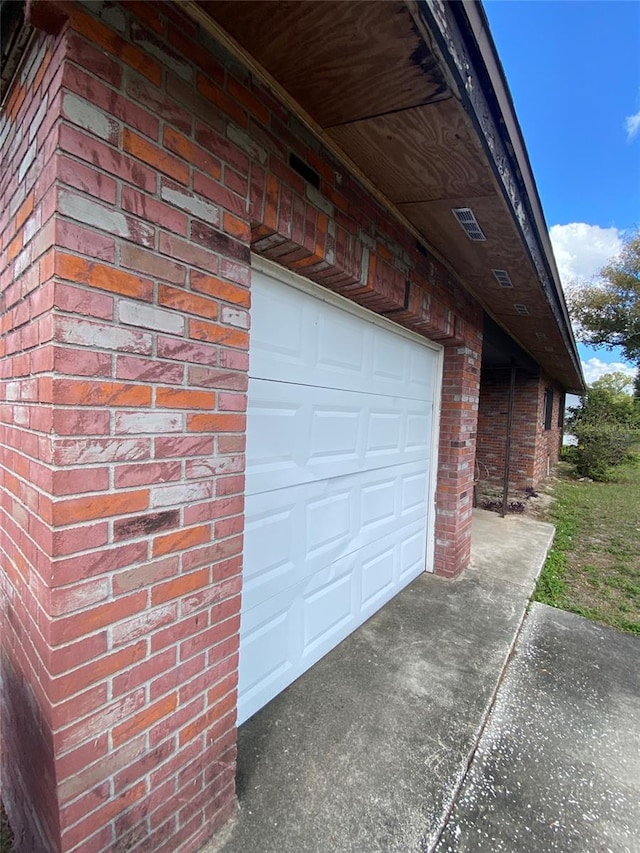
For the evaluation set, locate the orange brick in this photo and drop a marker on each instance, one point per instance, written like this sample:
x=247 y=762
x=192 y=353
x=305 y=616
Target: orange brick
x=146 y=13
x=154 y=156
x=236 y=227
x=321 y=233
x=97 y=32
x=79 y=392
x=201 y=331
x=181 y=539
x=46 y=266
x=180 y=398
x=244 y=96
x=15 y=101
x=15 y=247
x=102 y=277
x=186 y=149
x=24 y=211
x=271 y=202
x=183 y=300
x=179 y=586
x=215 y=423
x=220 y=98
x=99 y=506
x=43 y=69
x=144 y=719
x=213 y=286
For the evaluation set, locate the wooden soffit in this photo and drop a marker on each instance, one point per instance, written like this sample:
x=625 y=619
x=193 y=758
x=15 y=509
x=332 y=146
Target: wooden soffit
x=370 y=77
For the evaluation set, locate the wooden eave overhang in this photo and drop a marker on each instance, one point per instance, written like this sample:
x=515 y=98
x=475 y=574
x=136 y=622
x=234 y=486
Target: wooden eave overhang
x=413 y=94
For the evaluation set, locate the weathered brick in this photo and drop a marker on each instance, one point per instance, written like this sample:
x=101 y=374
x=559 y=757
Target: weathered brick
x=154 y=156
x=148 y=422
x=191 y=153
x=82 y=509
x=107 y=159
x=177 y=398
x=151 y=264
x=214 y=333
x=74 y=330
x=72 y=268
x=112 y=221
x=218 y=288
x=79 y=392
x=88 y=116
x=150 y=317
x=149 y=370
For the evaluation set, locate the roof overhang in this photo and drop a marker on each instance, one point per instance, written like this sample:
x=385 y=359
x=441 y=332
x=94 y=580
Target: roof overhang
x=412 y=96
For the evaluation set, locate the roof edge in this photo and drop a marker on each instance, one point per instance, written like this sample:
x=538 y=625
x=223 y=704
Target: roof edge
x=471 y=52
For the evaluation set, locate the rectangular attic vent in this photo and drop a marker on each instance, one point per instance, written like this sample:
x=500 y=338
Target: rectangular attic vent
x=305 y=171
x=520 y=308
x=502 y=277
x=469 y=223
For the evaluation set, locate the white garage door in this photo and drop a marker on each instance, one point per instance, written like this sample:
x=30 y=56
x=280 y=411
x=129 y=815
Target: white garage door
x=340 y=481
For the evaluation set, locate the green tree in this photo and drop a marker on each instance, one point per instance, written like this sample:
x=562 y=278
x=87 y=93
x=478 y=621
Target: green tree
x=607 y=401
x=608 y=311
x=604 y=426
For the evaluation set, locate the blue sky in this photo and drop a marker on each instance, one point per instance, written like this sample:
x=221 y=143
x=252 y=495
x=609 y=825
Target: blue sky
x=573 y=67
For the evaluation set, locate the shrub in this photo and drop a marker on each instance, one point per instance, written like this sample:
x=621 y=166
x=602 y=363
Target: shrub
x=568 y=453
x=601 y=448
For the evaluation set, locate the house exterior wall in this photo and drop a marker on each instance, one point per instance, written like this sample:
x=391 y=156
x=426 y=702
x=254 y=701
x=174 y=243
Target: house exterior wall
x=140 y=165
x=534 y=449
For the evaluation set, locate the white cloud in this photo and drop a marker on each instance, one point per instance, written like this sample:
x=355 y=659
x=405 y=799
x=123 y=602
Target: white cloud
x=632 y=126
x=594 y=368
x=581 y=250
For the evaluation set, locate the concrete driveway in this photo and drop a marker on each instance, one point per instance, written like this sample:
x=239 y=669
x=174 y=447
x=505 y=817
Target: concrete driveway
x=558 y=764
x=424 y=731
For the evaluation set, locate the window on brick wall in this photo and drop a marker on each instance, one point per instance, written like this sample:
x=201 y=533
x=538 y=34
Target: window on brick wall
x=548 y=408
x=561 y=405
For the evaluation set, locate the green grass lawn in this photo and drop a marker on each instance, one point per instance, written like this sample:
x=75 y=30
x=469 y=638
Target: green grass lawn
x=593 y=567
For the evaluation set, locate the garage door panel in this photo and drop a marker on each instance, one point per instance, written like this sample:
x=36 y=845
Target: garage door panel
x=338 y=349
x=341 y=346
x=333 y=434
x=302 y=434
x=335 y=600
x=378 y=577
x=329 y=522
x=330 y=605
x=294 y=533
x=339 y=452
x=271 y=553
x=411 y=556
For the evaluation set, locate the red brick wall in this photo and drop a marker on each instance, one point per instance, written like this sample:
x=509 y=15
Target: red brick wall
x=548 y=442
x=533 y=449
x=128 y=216
x=27 y=235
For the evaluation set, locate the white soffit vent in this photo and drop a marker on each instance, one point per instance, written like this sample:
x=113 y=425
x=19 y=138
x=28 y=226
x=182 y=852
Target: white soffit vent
x=469 y=223
x=520 y=308
x=502 y=277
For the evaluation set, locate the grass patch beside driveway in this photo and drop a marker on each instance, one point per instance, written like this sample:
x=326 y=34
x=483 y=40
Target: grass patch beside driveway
x=593 y=567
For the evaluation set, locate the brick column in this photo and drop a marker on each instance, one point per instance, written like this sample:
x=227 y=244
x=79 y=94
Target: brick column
x=125 y=278
x=27 y=238
x=458 y=424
